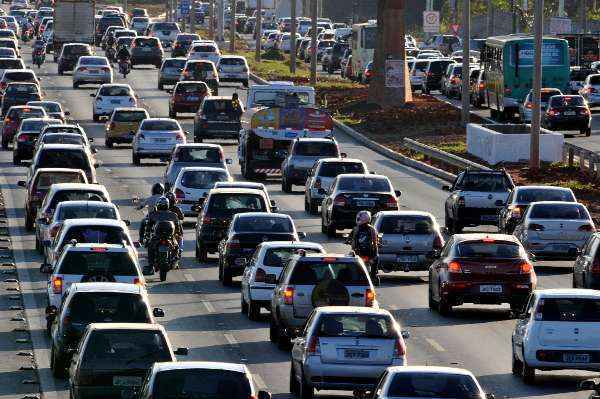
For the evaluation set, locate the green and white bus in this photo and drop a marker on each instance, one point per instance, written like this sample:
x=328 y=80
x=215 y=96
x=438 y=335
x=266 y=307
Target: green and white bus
x=364 y=39
x=508 y=62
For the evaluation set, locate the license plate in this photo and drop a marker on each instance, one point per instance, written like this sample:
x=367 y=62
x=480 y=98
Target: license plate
x=193 y=98
x=146 y=50
x=364 y=203
x=489 y=218
x=356 y=354
x=124 y=381
x=161 y=140
x=576 y=358
x=406 y=259
x=115 y=102
x=490 y=289
x=222 y=117
x=94 y=71
x=569 y=113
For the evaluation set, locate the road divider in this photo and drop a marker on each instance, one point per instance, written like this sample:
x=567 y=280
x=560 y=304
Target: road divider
x=442 y=156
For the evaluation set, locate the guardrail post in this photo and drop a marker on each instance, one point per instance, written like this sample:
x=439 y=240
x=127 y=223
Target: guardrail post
x=571 y=156
x=582 y=160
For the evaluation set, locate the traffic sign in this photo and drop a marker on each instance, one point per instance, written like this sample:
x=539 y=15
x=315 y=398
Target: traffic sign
x=455 y=28
x=431 y=21
x=184 y=6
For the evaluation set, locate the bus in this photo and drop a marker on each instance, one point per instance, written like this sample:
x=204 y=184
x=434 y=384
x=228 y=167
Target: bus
x=364 y=40
x=508 y=63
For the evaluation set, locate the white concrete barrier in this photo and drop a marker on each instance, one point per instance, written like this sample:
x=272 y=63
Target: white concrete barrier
x=510 y=143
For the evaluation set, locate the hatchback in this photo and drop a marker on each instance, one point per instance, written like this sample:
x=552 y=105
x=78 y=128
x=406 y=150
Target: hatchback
x=586 y=270
x=25 y=140
x=192 y=154
x=233 y=68
x=92 y=70
x=187 y=97
x=19 y=93
x=146 y=50
x=166 y=32
x=193 y=183
x=591 y=90
x=206 y=51
x=110 y=96
x=53 y=109
x=70 y=54
x=156 y=138
x=568 y=113
x=182 y=44
x=122 y=125
x=59 y=155
x=170 y=71
x=13 y=119
x=217 y=118
x=202 y=70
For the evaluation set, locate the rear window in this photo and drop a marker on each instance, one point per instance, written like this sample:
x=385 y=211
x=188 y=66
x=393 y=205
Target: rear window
x=536 y=195
x=50 y=107
x=487 y=182
x=175 y=63
x=205 y=49
x=196 y=383
x=333 y=169
x=421 y=66
x=187 y=38
x=439 y=66
x=77 y=50
x=567 y=101
x=130 y=116
x=18 y=113
x=313 y=149
x=579 y=76
x=232 y=61
x=364 y=184
x=21 y=89
x=278 y=257
x=45 y=180
x=165 y=26
x=191 y=88
x=87 y=263
x=206 y=155
x=406 y=224
x=569 y=309
x=199 y=66
x=217 y=106
x=115 y=91
x=11 y=63
x=160 y=125
x=480 y=249
x=108 y=307
x=19 y=76
x=235 y=203
x=433 y=385
x=273 y=224
x=93 y=61
x=76 y=195
x=62 y=129
x=86 y=211
x=29 y=125
x=106 y=22
x=58 y=158
x=62 y=138
x=559 y=211
x=356 y=326
x=549 y=93
x=202 y=179
x=146 y=42
x=312 y=272
x=595 y=80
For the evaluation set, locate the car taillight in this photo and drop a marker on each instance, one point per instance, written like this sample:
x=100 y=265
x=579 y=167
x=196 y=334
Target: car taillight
x=3 y=85
x=207 y=220
x=528 y=105
x=369 y=297
x=455 y=80
x=313 y=346
x=429 y=74
x=57 y=284
x=391 y=202
x=137 y=281
x=288 y=296
x=164 y=242
x=106 y=69
x=586 y=227
x=535 y=227
x=592 y=90
x=438 y=242
x=553 y=112
x=584 y=111
x=461 y=201
x=233 y=244
x=318 y=183
x=481 y=86
x=180 y=137
x=179 y=194
x=340 y=200
x=526 y=267
x=82 y=69
x=400 y=348
x=596 y=266
x=22 y=138
x=112 y=125
x=67 y=320
x=260 y=275
x=454 y=267
x=54 y=229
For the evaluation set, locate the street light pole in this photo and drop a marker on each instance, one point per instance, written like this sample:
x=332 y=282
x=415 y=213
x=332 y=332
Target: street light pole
x=293 y=21
x=258 y=29
x=313 y=43
x=466 y=104
x=233 y=10
x=534 y=157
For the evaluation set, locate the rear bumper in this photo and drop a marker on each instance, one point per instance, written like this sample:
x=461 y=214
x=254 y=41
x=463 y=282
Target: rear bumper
x=262 y=293
x=553 y=358
x=477 y=216
x=23 y=150
x=296 y=176
x=549 y=250
x=390 y=261
x=185 y=107
x=569 y=124
x=461 y=292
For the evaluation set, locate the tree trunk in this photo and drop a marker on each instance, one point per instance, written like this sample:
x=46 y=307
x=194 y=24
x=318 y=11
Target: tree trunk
x=389 y=45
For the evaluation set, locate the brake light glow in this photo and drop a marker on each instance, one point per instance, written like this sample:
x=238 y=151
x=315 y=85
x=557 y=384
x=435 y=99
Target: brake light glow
x=454 y=267
x=313 y=346
x=179 y=194
x=57 y=284
x=206 y=220
x=488 y=239
x=340 y=200
x=233 y=244
x=369 y=297
x=553 y=112
x=260 y=275
x=529 y=105
x=288 y=296
x=391 y=202
x=329 y=259
x=137 y=281
x=98 y=249
x=507 y=90
x=481 y=86
x=400 y=348
x=23 y=138
x=526 y=267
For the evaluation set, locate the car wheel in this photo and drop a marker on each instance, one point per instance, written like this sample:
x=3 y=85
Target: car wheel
x=306 y=206
x=60 y=72
x=57 y=365
x=4 y=144
x=283 y=342
x=323 y=227
x=136 y=159
x=109 y=143
x=16 y=161
x=517 y=365
x=75 y=85
x=586 y=131
x=574 y=281
x=201 y=253
x=449 y=224
x=331 y=230
x=306 y=390
x=245 y=83
x=172 y=114
x=220 y=270
x=28 y=222
x=273 y=331
x=160 y=86
x=253 y=311
x=528 y=374
x=443 y=307
x=285 y=186
x=244 y=305
x=431 y=302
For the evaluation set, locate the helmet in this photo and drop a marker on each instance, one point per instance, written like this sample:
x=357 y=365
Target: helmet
x=363 y=217
x=162 y=204
x=171 y=197
x=164 y=228
x=158 y=189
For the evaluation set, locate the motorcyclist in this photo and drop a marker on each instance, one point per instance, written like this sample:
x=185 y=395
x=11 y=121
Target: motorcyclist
x=364 y=241
x=110 y=40
x=157 y=191
x=164 y=231
x=236 y=104
x=175 y=209
x=123 y=54
x=39 y=45
x=162 y=213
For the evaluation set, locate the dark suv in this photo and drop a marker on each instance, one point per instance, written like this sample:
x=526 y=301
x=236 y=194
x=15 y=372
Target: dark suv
x=20 y=93
x=70 y=54
x=182 y=44
x=146 y=50
x=217 y=119
x=103 y=23
x=434 y=73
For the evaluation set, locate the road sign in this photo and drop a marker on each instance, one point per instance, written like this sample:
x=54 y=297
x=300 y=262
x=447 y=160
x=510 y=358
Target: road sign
x=455 y=28
x=184 y=7
x=431 y=21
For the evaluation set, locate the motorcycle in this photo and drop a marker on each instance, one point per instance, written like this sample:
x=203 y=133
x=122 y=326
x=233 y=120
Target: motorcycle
x=39 y=56
x=164 y=259
x=110 y=53
x=124 y=67
x=27 y=35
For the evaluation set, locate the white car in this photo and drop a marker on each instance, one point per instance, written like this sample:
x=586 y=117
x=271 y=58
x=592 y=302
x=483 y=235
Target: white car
x=204 y=51
x=166 y=32
x=557 y=330
x=285 y=41
x=591 y=90
x=263 y=270
x=194 y=182
x=233 y=68
x=110 y=96
x=156 y=138
x=12 y=24
x=92 y=69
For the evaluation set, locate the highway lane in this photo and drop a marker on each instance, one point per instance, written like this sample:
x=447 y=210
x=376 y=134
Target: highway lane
x=206 y=317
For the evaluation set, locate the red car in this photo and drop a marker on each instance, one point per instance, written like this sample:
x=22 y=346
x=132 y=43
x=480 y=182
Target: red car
x=483 y=269
x=13 y=119
x=187 y=97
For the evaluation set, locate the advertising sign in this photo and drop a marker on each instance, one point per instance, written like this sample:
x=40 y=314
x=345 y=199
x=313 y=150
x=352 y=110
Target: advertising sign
x=394 y=73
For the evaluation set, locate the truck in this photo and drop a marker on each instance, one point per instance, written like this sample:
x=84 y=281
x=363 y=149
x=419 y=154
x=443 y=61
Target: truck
x=74 y=22
x=268 y=7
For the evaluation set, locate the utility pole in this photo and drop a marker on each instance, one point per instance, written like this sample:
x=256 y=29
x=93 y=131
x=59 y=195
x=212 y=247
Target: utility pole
x=258 y=29
x=193 y=17
x=313 y=42
x=211 y=20
x=561 y=8
x=125 y=6
x=221 y=22
x=454 y=5
x=583 y=13
x=232 y=10
x=293 y=28
x=490 y=18
x=534 y=158
x=466 y=22
x=513 y=8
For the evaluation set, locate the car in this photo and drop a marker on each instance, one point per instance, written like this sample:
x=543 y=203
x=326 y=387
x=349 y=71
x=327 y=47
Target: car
x=92 y=69
x=25 y=139
x=110 y=96
x=216 y=118
x=444 y=43
x=187 y=97
x=13 y=119
x=59 y=155
x=271 y=40
x=520 y=198
x=476 y=198
x=216 y=211
x=246 y=231
x=156 y=138
x=103 y=23
x=9 y=63
x=409 y=240
x=10 y=53
x=70 y=54
x=39 y=185
x=417 y=74
x=263 y=270
x=170 y=71
x=201 y=70
x=122 y=125
x=569 y=112
x=246 y=184
x=182 y=44
x=19 y=93
x=138 y=12
x=429 y=382
x=110 y=31
x=146 y=50
x=18 y=76
x=481 y=268
x=8 y=34
x=191 y=154
x=432 y=79
x=125 y=352
x=303 y=154
x=193 y=183
x=322 y=174
x=452 y=80
x=62 y=138
x=11 y=43
x=345 y=348
x=119 y=33
x=233 y=68
x=577 y=78
x=351 y=193
x=166 y=32
x=87 y=303
x=555 y=229
x=139 y=24
x=586 y=269
x=477 y=89
x=556 y=331
x=334 y=62
x=66 y=128
x=591 y=90
x=309 y=281
x=285 y=41
x=124 y=41
x=525 y=108
x=53 y=109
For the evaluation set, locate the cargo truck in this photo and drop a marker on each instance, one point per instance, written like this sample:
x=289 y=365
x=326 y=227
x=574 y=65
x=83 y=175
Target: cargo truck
x=74 y=22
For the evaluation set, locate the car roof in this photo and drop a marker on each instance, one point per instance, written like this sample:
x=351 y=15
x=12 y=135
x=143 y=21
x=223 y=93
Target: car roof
x=126 y=326
x=405 y=213
x=106 y=287
x=214 y=98
x=352 y=310
x=125 y=109
x=77 y=186
x=348 y=160
x=87 y=203
x=89 y=247
x=165 y=366
x=329 y=255
x=291 y=244
x=59 y=170
x=40 y=119
x=115 y=85
x=316 y=139
x=428 y=369
x=236 y=190
x=201 y=169
x=196 y=145
x=567 y=292
x=62 y=147
x=480 y=236
x=555 y=203
x=94 y=222
x=363 y=175
x=519 y=188
x=262 y=214
x=43 y=102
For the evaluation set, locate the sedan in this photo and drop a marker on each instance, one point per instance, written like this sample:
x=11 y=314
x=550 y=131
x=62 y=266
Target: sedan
x=111 y=96
x=53 y=109
x=568 y=113
x=91 y=69
x=156 y=138
x=482 y=269
x=20 y=93
x=25 y=140
x=194 y=183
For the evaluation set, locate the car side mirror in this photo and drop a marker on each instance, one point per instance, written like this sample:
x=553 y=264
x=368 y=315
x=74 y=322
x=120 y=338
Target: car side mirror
x=405 y=334
x=158 y=312
x=22 y=183
x=92 y=95
x=45 y=268
x=182 y=351
x=446 y=188
x=127 y=222
x=343 y=155
x=67 y=113
x=586 y=385
x=229 y=161
x=301 y=234
x=137 y=244
x=398 y=193
x=264 y=395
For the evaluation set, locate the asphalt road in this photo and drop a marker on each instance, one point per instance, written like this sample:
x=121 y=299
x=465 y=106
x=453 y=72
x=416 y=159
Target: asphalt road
x=205 y=317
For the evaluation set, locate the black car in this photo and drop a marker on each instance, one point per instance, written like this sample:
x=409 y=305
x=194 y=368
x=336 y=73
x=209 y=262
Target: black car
x=217 y=119
x=246 y=231
x=182 y=44
x=20 y=93
x=568 y=113
x=103 y=23
x=351 y=193
x=146 y=50
x=70 y=54
x=26 y=138
x=434 y=73
x=586 y=270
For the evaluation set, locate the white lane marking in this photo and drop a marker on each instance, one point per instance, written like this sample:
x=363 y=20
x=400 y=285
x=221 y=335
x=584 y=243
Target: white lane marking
x=209 y=306
x=435 y=345
x=231 y=339
x=188 y=277
x=260 y=383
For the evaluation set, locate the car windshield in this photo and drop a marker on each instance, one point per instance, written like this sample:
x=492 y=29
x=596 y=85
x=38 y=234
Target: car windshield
x=199 y=67
x=125 y=349
x=160 y=125
x=567 y=101
x=115 y=91
x=546 y=94
x=433 y=385
x=314 y=149
x=569 y=309
x=202 y=179
x=486 y=182
x=271 y=98
x=278 y=257
x=312 y=272
x=19 y=113
x=11 y=63
x=76 y=195
x=272 y=224
x=204 y=49
x=93 y=61
x=364 y=184
x=77 y=50
x=333 y=169
x=62 y=138
x=108 y=307
x=187 y=38
x=89 y=210
x=46 y=179
x=179 y=64
x=63 y=129
x=50 y=107
x=526 y=196
x=146 y=42
x=130 y=116
x=356 y=326
x=406 y=224
x=201 y=384
x=595 y=80
x=21 y=89
x=59 y=158
x=100 y=262
x=484 y=249
x=229 y=204
x=439 y=66
x=559 y=211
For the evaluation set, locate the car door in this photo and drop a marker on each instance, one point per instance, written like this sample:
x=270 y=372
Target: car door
x=584 y=262
x=436 y=268
x=521 y=326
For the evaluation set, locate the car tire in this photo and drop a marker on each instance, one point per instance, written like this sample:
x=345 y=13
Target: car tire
x=313 y=207
x=75 y=85
x=430 y=300
x=528 y=374
x=587 y=132
x=330 y=230
x=443 y=307
x=172 y=114
x=28 y=222
x=60 y=72
x=135 y=159
x=273 y=331
x=245 y=83
x=306 y=390
x=253 y=311
x=449 y=224
x=283 y=342
x=160 y=86
x=57 y=365
x=220 y=269
x=201 y=253
x=109 y=143
x=285 y=186
x=243 y=305
x=323 y=227
x=517 y=365
x=4 y=144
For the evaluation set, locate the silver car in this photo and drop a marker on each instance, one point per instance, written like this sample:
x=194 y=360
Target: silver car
x=92 y=69
x=169 y=72
x=322 y=175
x=345 y=348
x=194 y=154
x=525 y=108
x=156 y=138
x=193 y=183
x=555 y=230
x=409 y=240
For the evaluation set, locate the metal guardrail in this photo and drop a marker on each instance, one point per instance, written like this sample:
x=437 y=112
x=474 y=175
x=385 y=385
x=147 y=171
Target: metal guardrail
x=588 y=160
x=442 y=156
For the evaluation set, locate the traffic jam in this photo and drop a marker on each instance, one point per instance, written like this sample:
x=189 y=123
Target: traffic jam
x=234 y=193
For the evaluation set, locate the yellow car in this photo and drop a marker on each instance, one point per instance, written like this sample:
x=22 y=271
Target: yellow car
x=123 y=124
